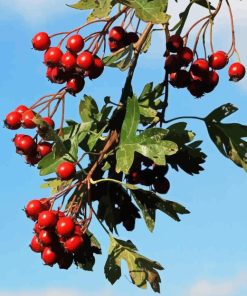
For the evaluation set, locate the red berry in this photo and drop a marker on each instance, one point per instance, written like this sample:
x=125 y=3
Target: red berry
x=134 y=177
x=114 y=45
x=46 y=203
x=35 y=245
x=33 y=209
x=218 y=60
x=147 y=177
x=25 y=145
x=75 y=84
x=196 y=88
x=41 y=41
x=174 y=43
x=47 y=219
x=73 y=244
x=45 y=237
x=44 y=148
x=17 y=139
x=236 y=72
x=117 y=33
x=161 y=185
x=186 y=55
x=212 y=81
x=27 y=119
x=85 y=60
x=180 y=79
x=65 y=226
x=49 y=256
x=78 y=230
x=66 y=170
x=32 y=159
x=68 y=60
x=173 y=63
x=75 y=43
x=13 y=120
x=49 y=121
x=21 y=109
x=53 y=56
x=131 y=37
x=97 y=69
x=56 y=75
x=200 y=67
x=160 y=170
x=65 y=260
x=36 y=228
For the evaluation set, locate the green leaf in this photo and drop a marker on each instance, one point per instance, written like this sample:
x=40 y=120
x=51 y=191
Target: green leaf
x=149 y=143
x=179 y=134
x=88 y=109
x=149 y=10
x=221 y=112
x=116 y=57
x=141 y=269
x=56 y=185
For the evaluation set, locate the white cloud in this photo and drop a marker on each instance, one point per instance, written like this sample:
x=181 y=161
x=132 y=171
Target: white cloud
x=56 y=292
x=220 y=288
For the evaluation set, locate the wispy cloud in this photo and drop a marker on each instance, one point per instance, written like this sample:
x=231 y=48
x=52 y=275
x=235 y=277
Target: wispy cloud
x=56 y=292
x=230 y=287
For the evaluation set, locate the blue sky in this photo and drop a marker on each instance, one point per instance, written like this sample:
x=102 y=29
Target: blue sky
x=204 y=254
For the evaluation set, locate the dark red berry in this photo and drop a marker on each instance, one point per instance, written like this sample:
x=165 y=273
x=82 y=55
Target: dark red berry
x=78 y=230
x=218 y=60
x=161 y=185
x=46 y=237
x=35 y=245
x=46 y=203
x=44 y=148
x=75 y=84
x=200 y=67
x=33 y=209
x=13 y=120
x=49 y=256
x=186 y=55
x=27 y=119
x=65 y=260
x=41 y=41
x=65 y=226
x=236 y=72
x=49 y=121
x=174 y=43
x=68 y=61
x=75 y=43
x=117 y=33
x=47 y=219
x=66 y=170
x=53 y=56
x=32 y=159
x=180 y=79
x=56 y=75
x=26 y=145
x=36 y=228
x=173 y=63
x=97 y=68
x=160 y=170
x=73 y=244
x=212 y=81
x=131 y=37
x=114 y=45
x=147 y=177
x=21 y=109
x=196 y=88
x=85 y=60
x=134 y=177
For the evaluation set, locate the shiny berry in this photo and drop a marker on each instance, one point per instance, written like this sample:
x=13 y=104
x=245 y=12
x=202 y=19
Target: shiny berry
x=33 y=209
x=75 y=43
x=41 y=41
x=218 y=60
x=17 y=139
x=75 y=84
x=68 y=61
x=27 y=119
x=44 y=148
x=186 y=55
x=114 y=45
x=161 y=185
x=47 y=219
x=85 y=60
x=49 y=256
x=236 y=72
x=97 y=68
x=174 y=43
x=49 y=121
x=56 y=75
x=200 y=67
x=66 y=170
x=173 y=63
x=26 y=145
x=73 y=244
x=78 y=230
x=65 y=226
x=46 y=237
x=35 y=245
x=53 y=56
x=180 y=79
x=21 y=109
x=196 y=88
x=212 y=81
x=13 y=120
x=36 y=228
x=117 y=33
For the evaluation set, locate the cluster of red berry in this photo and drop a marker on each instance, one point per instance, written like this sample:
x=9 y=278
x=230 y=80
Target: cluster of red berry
x=57 y=237
x=153 y=175
x=201 y=78
x=119 y=38
x=70 y=67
